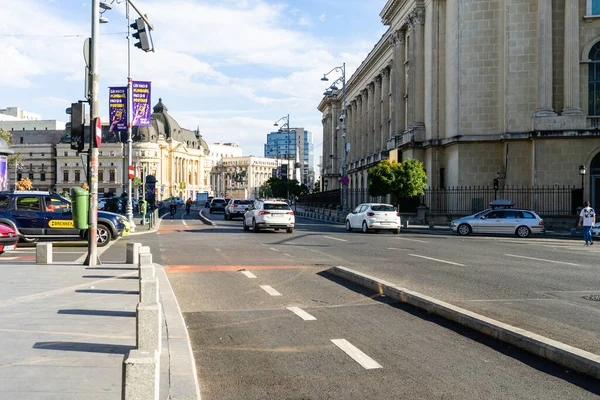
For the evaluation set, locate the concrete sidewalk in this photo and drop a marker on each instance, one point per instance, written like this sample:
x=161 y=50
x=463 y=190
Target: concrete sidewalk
x=66 y=328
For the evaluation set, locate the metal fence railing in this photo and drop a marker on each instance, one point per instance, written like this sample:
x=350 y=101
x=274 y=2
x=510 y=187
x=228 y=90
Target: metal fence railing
x=545 y=200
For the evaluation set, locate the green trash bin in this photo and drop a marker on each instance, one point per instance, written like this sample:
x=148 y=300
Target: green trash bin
x=80 y=206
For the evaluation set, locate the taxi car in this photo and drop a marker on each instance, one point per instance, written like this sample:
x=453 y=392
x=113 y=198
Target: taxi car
x=269 y=214
x=39 y=214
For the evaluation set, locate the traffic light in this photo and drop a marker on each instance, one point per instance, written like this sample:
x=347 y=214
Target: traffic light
x=141 y=34
x=496 y=183
x=77 y=119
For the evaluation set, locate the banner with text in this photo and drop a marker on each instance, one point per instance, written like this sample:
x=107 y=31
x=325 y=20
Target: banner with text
x=141 y=103
x=117 y=106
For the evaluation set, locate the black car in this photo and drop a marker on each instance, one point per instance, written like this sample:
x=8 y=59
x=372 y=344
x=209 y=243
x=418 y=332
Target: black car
x=217 y=204
x=35 y=215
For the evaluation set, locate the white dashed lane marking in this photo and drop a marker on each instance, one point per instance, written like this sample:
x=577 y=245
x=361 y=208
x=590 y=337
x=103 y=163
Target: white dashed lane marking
x=270 y=290
x=249 y=274
x=301 y=313
x=541 y=259
x=332 y=238
x=438 y=260
x=356 y=354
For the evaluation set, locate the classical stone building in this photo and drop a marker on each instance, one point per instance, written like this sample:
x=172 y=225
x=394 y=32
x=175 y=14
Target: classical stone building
x=476 y=90
x=243 y=176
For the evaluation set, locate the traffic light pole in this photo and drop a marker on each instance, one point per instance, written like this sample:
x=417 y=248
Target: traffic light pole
x=129 y=109
x=92 y=256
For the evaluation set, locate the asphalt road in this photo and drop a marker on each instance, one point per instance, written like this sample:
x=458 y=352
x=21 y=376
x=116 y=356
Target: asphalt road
x=267 y=321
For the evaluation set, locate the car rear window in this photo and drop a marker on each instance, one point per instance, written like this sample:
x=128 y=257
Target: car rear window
x=271 y=206
x=4 y=202
x=382 y=207
x=218 y=201
x=243 y=202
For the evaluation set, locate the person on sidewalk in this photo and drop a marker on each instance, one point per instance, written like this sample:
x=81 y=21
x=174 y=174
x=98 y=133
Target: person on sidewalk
x=587 y=219
x=188 y=205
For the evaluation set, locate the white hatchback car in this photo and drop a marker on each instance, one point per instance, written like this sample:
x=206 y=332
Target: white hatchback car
x=269 y=214
x=374 y=217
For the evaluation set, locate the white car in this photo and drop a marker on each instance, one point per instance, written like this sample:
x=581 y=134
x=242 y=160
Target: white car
x=595 y=230
x=269 y=214
x=374 y=217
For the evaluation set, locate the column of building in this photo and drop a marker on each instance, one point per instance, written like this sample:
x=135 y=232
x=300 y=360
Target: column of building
x=571 y=59
x=385 y=108
x=359 y=128
x=365 y=123
x=369 y=114
x=418 y=67
x=349 y=126
x=544 y=36
x=398 y=82
x=377 y=116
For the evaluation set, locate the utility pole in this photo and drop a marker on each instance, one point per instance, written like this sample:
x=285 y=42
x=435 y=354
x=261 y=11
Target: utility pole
x=92 y=256
x=129 y=110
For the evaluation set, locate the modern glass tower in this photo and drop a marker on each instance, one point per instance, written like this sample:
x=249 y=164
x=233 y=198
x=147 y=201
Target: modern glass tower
x=295 y=146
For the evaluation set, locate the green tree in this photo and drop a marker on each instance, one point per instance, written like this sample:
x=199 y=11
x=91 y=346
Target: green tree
x=13 y=158
x=405 y=179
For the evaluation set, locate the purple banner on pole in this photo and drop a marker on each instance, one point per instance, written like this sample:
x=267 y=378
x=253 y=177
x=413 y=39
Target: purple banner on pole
x=141 y=103
x=117 y=107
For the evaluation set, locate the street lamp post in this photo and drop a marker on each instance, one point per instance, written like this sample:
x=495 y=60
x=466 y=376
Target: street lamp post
x=342 y=69
x=582 y=172
x=129 y=109
x=287 y=154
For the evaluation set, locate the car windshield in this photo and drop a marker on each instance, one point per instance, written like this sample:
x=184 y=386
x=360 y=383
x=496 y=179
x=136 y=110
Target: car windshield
x=276 y=206
x=382 y=207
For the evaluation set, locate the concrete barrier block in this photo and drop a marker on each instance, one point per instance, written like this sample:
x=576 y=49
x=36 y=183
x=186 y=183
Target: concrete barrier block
x=405 y=223
x=133 y=253
x=149 y=290
x=431 y=225
x=145 y=259
x=43 y=253
x=145 y=250
x=149 y=333
x=141 y=374
x=146 y=272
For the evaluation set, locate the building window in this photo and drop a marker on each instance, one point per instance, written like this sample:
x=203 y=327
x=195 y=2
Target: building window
x=66 y=154
x=19 y=176
x=593 y=8
x=30 y=154
x=112 y=174
x=594 y=81
x=31 y=176
x=42 y=177
x=101 y=176
x=65 y=176
x=21 y=140
x=77 y=176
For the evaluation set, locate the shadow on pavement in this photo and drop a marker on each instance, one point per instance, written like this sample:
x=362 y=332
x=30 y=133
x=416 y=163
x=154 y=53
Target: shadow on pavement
x=84 y=347
x=109 y=276
x=583 y=381
x=100 y=313
x=113 y=268
x=100 y=291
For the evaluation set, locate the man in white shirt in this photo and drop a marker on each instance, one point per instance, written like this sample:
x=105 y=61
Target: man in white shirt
x=587 y=219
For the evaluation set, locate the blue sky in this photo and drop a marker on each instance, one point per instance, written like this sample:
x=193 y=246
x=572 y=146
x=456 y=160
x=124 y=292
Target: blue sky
x=230 y=67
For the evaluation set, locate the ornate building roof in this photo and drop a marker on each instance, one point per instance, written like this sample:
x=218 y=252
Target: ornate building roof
x=164 y=126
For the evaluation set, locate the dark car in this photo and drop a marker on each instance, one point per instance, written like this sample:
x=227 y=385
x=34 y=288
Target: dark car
x=217 y=204
x=207 y=203
x=35 y=215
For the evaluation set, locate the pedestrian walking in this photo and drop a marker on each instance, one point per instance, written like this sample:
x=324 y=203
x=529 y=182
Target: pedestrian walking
x=587 y=219
x=188 y=205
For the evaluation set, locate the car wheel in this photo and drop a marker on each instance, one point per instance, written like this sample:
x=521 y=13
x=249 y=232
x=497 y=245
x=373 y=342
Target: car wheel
x=103 y=236
x=523 y=231
x=348 y=226
x=365 y=228
x=464 y=229
x=289 y=230
x=255 y=228
x=246 y=227
x=396 y=231
x=28 y=239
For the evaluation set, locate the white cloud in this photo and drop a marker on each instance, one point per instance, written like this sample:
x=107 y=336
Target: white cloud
x=322 y=17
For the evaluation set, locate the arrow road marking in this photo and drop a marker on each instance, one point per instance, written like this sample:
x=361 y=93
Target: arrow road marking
x=356 y=354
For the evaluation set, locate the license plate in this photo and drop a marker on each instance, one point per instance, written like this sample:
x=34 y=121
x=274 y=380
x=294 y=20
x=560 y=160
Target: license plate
x=8 y=248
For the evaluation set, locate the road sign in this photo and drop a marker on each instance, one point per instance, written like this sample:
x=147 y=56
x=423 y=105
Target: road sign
x=345 y=180
x=98 y=124
x=131 y=172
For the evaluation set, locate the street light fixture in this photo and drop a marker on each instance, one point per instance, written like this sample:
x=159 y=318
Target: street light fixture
x=342 y=117
x=286 y=125
x=582 y=172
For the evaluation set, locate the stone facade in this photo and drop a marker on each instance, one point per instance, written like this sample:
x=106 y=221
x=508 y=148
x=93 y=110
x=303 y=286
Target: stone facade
x=243 y=176
x=475 y=90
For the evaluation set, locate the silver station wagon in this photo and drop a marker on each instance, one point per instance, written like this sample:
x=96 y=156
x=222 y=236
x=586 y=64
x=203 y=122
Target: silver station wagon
x=500 y=219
